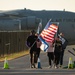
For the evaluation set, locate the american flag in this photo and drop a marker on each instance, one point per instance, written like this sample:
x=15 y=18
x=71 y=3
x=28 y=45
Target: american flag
x=49 y=31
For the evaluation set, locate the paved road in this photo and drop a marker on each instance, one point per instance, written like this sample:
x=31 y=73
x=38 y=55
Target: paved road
x=22 y=66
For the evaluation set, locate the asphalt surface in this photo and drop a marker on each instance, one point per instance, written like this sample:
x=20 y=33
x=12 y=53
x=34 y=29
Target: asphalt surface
x=22 y=65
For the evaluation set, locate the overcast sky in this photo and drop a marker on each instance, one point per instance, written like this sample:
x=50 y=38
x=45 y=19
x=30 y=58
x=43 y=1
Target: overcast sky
x=68 y=5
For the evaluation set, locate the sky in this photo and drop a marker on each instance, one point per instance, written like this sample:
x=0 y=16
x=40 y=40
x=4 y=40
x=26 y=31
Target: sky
x=68 y=5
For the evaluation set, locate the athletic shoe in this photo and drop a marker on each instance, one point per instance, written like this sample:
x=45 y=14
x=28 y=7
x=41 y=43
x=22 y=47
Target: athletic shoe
x=60 y=66
x=50 y=66
x=56 y=67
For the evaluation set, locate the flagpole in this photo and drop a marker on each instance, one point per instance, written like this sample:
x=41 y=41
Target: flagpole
x=58 y=29
x=56 y=34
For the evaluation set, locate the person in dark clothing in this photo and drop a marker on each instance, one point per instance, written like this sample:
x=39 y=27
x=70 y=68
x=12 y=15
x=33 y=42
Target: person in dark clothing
x=64 y=44
x=31 y=43
x=57 y=51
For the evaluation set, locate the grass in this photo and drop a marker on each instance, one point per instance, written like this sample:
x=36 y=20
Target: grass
x=14 y=55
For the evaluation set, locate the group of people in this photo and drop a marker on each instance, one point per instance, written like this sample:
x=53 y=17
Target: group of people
x=55 y=51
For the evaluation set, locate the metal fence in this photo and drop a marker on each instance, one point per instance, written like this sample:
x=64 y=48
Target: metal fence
x=12 y=41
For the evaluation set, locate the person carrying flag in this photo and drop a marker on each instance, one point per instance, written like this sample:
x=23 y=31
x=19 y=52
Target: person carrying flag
x=31 y=43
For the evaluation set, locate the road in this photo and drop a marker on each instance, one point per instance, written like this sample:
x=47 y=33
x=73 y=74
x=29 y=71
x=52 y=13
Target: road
x=22 y=65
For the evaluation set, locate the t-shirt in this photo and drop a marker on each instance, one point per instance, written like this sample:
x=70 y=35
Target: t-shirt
x=58 y=46
x=31 y=41
x=50 y=48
